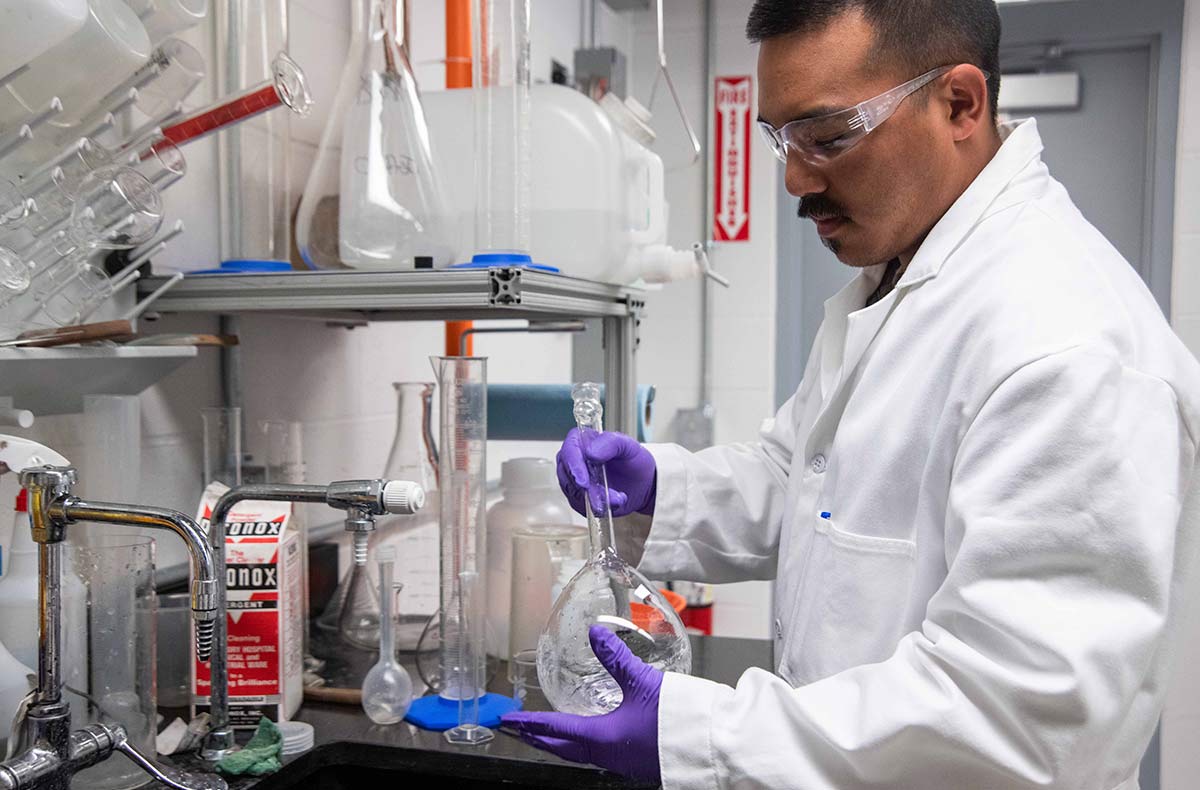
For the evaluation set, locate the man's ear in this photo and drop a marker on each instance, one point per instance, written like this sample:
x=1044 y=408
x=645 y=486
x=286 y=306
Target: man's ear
x=964 y=93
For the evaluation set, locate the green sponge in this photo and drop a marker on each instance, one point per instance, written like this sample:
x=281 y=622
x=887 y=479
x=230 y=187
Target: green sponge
x=259 y=757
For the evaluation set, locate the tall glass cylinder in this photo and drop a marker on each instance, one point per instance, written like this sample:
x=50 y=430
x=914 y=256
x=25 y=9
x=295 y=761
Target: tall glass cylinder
x=463 y=489
x=256 y=194
x=501 y=79
x=110 y=639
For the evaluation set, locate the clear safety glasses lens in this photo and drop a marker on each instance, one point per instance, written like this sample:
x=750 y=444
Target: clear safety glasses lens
x=824 y=138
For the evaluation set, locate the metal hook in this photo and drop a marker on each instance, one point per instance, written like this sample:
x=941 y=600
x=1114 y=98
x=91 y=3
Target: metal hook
x=665 y=74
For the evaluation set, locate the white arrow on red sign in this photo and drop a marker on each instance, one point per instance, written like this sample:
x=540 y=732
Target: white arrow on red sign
x=732 y=151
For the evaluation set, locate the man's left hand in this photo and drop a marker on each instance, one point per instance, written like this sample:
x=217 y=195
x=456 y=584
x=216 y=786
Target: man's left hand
x=624 y=741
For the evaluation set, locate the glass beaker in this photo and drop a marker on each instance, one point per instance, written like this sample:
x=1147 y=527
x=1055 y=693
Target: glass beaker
x=373 y=199
x=544 y=559
x=522 y=674
x=608 y=592
x=462 y=479
x=110 y=636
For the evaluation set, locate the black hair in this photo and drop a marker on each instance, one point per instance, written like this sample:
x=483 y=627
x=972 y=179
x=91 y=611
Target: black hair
x=918 y=34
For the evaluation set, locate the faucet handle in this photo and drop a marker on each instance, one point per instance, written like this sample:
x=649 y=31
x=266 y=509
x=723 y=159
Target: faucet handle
x=176 y=780
x=402 y=497
x=47 y=484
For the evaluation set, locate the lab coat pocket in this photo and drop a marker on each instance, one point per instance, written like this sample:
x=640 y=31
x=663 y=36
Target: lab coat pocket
x=854 y=596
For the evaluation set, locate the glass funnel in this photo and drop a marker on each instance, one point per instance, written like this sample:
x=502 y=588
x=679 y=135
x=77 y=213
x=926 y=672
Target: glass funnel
x=607 y=591
x=373 y=199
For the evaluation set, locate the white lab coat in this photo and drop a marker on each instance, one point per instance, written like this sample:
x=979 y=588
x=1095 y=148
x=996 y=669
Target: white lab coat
x=979 y=509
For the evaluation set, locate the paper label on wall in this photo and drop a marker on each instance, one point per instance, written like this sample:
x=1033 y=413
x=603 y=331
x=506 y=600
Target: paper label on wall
x=731 y=220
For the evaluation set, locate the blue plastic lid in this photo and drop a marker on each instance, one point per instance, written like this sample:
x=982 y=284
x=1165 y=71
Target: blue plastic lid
x=492 y=260
x=437 y=714
x=248 y=266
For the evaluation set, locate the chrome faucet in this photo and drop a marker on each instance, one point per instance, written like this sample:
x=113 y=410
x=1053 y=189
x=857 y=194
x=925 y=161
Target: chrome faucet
x=54 y=754
x=362 y=500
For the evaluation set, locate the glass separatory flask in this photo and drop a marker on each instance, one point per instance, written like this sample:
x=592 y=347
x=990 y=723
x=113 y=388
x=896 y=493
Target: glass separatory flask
x=387 y=691
x=373 y=199
x=354 y=609
x=415 y=538
x=608 y=592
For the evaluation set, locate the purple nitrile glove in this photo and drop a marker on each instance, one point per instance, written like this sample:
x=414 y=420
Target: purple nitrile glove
x=624 y=741
x=632 y=473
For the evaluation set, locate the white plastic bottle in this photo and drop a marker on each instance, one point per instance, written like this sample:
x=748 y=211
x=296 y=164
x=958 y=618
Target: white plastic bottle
x=531 y=496
x=19 y=590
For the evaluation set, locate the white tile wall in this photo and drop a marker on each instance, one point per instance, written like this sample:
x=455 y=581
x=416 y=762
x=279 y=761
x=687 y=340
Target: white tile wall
x=1181 y=717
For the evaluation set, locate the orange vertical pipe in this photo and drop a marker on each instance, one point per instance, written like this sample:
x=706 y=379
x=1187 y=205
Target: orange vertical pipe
x=458 y=75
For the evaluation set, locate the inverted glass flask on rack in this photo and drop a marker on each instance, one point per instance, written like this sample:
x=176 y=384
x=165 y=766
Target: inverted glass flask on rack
x=608 y=592
x=373 y=199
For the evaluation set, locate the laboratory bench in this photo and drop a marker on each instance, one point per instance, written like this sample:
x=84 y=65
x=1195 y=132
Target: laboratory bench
x=353 y=752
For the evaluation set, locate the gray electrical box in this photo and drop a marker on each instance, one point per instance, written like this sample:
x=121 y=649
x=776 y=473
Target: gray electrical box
x=602 y=66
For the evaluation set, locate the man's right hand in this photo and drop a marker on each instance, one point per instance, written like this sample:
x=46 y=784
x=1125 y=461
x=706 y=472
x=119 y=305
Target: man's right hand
x=632 y=473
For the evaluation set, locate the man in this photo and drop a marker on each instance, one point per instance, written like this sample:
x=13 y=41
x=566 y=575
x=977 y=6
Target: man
x=979 y=507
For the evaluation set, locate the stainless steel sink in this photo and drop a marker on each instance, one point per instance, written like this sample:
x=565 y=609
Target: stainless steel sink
x=351 y=766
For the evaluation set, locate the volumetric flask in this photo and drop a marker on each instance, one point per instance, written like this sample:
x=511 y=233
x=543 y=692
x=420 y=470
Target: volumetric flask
x=608 y=592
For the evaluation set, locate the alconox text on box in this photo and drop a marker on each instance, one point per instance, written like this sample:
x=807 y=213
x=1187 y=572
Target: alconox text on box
x=264 y=612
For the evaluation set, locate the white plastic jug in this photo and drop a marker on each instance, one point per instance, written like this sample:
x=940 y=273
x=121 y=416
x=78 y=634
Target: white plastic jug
x=599 y=208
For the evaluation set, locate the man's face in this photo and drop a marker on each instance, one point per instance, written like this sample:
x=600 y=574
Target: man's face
x=879 y=199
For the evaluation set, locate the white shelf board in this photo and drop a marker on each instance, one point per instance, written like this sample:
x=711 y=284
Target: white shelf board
x=54 y=380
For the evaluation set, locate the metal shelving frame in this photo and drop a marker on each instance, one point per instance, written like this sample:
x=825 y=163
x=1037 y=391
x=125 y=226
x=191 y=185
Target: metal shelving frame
x=461 y=294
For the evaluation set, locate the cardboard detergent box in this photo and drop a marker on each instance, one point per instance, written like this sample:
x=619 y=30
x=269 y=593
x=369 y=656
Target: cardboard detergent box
x=265 y=613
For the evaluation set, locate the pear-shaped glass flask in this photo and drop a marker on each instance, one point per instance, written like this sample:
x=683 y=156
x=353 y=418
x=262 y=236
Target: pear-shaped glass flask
x=373 y=199
x=607 y=591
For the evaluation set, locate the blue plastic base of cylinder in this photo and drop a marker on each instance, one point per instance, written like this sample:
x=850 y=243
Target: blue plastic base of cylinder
x=438 y=715
x=492 y=260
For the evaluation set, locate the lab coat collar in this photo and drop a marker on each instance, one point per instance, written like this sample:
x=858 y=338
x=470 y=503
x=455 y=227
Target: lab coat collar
x=1021 y=145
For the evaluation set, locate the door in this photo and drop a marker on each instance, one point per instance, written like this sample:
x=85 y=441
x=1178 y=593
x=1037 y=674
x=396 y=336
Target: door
x=1107 y=177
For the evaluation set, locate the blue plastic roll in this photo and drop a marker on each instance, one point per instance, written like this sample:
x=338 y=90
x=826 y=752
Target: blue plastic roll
x=545 y=412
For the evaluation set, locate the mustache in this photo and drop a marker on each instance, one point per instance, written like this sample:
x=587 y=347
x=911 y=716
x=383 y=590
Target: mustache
x=818 y=206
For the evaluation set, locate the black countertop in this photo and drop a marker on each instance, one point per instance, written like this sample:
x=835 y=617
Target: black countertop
x=345 y=736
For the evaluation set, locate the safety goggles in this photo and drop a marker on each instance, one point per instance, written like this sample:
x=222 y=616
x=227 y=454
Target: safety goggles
x=826 y=137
